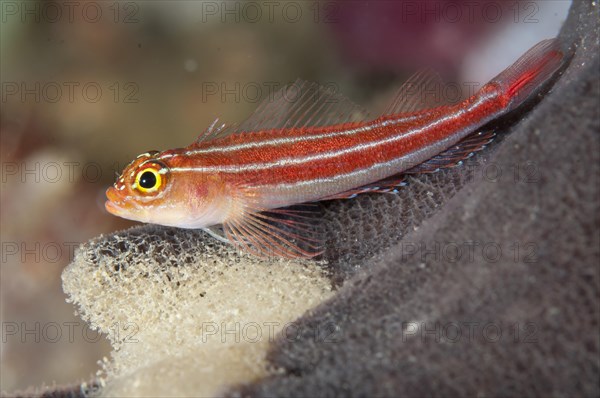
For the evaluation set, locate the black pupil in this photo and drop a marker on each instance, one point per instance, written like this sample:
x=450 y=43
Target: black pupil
x=148 y=180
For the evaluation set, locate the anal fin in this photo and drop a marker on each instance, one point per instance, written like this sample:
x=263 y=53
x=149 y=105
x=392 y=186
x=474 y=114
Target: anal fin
x=451 y=157
x=387 y=185
x=454 y=155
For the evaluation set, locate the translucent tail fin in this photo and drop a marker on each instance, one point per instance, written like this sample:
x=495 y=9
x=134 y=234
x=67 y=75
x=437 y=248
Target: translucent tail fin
x=523 y=77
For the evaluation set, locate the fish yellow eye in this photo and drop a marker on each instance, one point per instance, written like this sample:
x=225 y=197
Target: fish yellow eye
x=148 y=180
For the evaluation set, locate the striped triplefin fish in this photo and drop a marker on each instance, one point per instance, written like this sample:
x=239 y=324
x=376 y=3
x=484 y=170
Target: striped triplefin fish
x=308 y=144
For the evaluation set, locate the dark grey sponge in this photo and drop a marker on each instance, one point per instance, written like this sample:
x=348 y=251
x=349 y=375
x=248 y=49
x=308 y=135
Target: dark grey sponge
x=544 y=300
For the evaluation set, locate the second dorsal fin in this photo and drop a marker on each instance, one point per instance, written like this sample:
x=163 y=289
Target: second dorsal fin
x=423 y=90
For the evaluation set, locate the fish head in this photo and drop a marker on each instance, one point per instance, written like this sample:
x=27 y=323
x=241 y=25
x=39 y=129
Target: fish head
x=148 y=191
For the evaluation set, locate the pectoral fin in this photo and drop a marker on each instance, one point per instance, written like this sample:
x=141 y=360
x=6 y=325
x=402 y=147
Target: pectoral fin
x=288 y=233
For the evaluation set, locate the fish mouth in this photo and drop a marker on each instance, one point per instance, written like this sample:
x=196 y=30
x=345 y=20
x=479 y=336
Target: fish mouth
x=115 y=205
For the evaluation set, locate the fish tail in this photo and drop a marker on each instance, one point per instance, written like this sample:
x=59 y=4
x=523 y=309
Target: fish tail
x=529 y=72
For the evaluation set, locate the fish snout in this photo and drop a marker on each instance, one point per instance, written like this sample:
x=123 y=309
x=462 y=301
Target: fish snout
x=115 y=203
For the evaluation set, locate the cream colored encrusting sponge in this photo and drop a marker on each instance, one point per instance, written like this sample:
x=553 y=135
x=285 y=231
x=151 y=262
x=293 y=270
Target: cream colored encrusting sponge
x=186 y=315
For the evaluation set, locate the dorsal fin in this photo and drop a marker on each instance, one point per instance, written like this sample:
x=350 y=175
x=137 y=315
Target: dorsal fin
x=303 y=104
x=423 y=90
x=215 y=131
x=300 y=104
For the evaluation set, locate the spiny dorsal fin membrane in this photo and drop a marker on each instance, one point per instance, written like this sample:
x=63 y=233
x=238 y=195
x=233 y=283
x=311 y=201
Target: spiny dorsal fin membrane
x=215 y=131
x=300 y=104
x=303 y=104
